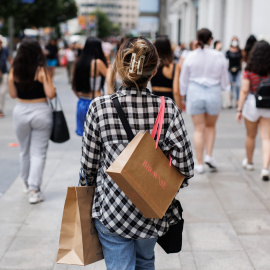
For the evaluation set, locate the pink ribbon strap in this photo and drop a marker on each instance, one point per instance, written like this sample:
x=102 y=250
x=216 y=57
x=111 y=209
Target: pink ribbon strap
x=158 y=124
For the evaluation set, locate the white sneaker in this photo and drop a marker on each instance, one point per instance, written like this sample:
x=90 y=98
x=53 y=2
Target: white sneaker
x=35 y=197
x=199 y=168
x=25 y=188
x=265 y=175
x=246 y=165
x=211 y=162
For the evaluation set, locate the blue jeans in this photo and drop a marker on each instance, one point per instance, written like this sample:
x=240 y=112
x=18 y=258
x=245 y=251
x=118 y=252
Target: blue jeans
x=125 y=253
x=236 y=79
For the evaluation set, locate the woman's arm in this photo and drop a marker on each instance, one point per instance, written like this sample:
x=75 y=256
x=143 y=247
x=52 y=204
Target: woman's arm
x=101 y=68
x=243 y=95
x=176 y=90
x=11 y=87
x=46 y=79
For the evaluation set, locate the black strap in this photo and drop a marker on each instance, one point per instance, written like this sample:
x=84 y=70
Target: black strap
x=173 y=71
x=122 y=117
x=94 y=86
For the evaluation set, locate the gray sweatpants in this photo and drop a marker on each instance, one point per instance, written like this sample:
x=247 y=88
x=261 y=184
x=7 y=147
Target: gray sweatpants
x=33 y=125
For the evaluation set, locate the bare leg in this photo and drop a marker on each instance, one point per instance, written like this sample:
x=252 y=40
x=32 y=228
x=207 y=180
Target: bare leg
x=210 y=133
x=251 y=128
x=265 y=137
x=199 y=135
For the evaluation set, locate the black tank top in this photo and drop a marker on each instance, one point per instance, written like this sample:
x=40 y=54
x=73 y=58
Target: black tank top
x=35 y=92
x=160 y=80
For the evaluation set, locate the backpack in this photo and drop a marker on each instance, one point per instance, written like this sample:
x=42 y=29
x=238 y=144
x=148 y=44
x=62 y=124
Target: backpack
x=262 y=95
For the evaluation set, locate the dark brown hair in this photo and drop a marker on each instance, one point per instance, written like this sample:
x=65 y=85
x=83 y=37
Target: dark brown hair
x=164 y=49
x=259 y=58
x=27 y=61
x=203 y=36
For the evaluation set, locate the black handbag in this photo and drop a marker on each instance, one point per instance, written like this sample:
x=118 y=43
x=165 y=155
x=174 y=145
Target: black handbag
x=60 y=132
x=262 y=95
x=171 y=242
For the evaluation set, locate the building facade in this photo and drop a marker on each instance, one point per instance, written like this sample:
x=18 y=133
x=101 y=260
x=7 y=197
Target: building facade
x=225 y=18
x=122 y=12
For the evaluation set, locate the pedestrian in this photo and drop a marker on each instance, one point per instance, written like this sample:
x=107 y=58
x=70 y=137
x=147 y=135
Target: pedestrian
x=218 y=45
x=258 y=68
x=70 y=55
x=4 y=57
x=180 y=102
x=162 y=82
x=234 y=56
x=89 y=78
x=51 y=50
x=203 y=76
x=127 y=237
x=30 y=82
x=248 y=47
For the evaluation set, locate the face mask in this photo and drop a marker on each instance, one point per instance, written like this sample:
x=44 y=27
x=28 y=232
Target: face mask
x=234 y=43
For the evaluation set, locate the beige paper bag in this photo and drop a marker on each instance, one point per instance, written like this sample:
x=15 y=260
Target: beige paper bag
x=79 y=243
x=143 y=172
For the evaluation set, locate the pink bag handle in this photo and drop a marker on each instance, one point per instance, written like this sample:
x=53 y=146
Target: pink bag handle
x=158 y=124
x=159 y=121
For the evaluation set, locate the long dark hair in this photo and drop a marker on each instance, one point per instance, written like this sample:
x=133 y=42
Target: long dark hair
x=203 y=36
x=164 y=49
x=92 y=50
x=249 y=45
x=28 y=60
x=259 y=58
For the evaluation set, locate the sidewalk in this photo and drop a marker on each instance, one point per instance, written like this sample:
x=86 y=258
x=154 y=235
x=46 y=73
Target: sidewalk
x=227 y=214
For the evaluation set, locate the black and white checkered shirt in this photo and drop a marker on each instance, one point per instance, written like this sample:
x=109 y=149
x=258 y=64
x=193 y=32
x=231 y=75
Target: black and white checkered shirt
x=104 y=139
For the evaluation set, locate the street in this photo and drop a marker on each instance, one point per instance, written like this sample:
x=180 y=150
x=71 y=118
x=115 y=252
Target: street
x=227 y=213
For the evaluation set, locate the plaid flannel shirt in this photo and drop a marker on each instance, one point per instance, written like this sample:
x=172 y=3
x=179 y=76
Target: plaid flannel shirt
x=104 y=139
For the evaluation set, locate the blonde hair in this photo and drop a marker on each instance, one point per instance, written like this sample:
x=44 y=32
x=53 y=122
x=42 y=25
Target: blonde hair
x=140 y=47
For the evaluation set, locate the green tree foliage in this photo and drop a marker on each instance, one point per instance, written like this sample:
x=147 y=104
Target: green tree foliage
x=42 y=13
x=104 y=25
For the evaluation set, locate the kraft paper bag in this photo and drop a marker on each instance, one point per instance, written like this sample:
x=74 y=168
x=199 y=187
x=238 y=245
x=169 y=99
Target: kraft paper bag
x=144 y=174
x=79 y=243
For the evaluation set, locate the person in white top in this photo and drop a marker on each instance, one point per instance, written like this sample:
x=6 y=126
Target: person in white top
x=204 y=74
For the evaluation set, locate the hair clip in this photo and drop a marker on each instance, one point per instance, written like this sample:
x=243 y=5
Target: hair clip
x=132 y=63
x=140 y=65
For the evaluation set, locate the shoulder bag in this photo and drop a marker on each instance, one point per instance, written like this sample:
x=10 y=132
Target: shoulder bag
x=60 y=132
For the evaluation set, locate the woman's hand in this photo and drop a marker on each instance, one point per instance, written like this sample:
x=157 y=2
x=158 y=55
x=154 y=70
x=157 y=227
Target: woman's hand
x=239 y=117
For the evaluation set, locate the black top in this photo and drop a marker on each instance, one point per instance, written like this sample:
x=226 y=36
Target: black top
x=160 y=80
x=52 y=51
x=35 y=91
x=234 y=60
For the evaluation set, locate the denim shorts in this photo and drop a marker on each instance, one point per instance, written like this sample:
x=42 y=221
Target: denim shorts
x=82 y=108
x=203 y=99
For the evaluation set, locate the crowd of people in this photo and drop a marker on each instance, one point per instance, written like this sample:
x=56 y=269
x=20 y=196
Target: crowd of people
x=139 y=72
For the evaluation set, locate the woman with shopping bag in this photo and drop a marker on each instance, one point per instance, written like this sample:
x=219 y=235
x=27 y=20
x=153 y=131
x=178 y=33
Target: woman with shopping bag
x=128 y=237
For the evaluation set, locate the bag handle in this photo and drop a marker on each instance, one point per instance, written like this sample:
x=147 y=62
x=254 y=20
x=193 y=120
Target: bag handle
x=159 y=123
x=122 y=117
x=82 y=173
x=56 y=101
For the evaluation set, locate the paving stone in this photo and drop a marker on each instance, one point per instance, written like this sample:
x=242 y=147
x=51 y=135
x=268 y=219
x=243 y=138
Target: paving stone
x=258 y=249
x=206 y=206
x=187 y=261
x=240 y=197
x=224 y=260
x=251 y=222
x=212 y=236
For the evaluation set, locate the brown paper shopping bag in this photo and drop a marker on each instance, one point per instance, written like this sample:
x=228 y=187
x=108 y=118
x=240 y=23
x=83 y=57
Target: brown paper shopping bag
x=79 y=243
x=144 y=173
